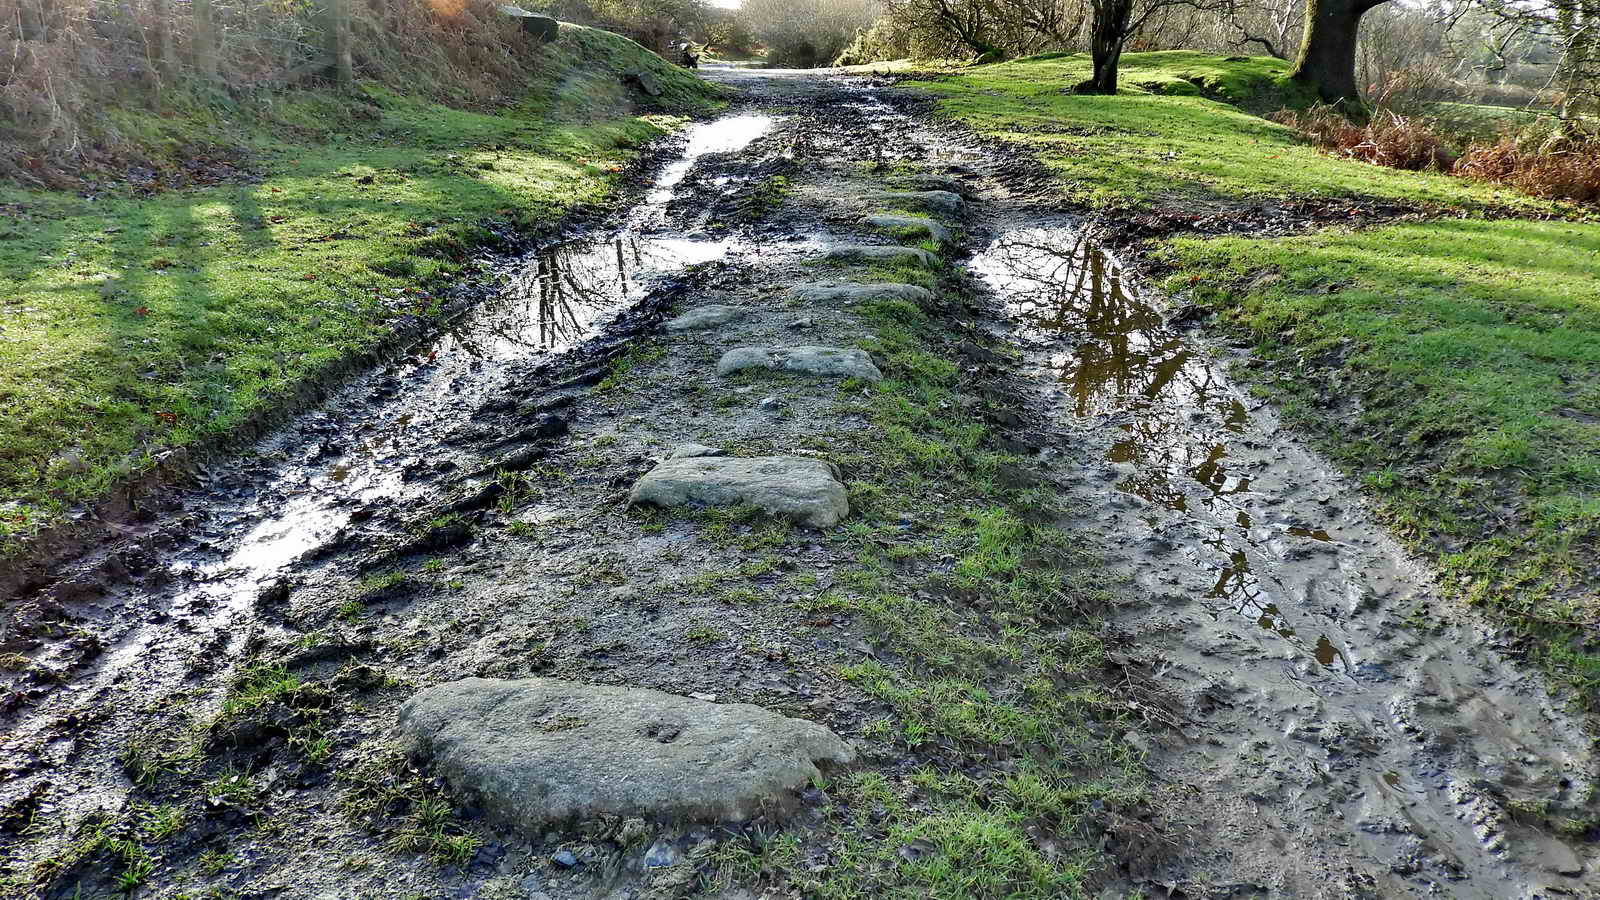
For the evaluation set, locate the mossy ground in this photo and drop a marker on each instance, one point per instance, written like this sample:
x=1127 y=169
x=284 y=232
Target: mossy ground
x=1449 y=364
x=140 y=321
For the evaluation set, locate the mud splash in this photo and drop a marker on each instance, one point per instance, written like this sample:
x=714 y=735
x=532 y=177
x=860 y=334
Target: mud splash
x=1342 y=735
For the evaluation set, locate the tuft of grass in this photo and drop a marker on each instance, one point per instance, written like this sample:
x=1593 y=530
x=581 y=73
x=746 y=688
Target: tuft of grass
x=412 y=815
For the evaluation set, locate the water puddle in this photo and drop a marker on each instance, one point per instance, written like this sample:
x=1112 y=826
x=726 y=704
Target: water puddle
x=1116 y=359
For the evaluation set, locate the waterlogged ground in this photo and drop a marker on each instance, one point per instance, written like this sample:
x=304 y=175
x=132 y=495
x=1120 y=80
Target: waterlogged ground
x=1097 y=623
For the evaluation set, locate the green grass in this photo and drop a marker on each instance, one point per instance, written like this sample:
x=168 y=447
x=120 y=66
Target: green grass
x=1475 y=350
x=134 y=324
x=1164 y=141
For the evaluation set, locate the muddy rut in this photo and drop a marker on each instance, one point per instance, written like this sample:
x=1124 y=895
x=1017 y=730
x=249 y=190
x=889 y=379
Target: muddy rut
x=1317 y=723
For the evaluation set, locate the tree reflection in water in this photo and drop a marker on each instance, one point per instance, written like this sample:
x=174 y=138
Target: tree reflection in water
x=559 y=294
x=1141 y=374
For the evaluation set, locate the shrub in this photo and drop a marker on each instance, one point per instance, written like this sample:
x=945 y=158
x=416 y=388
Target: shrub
x=1390 y=139
x=1556 y=160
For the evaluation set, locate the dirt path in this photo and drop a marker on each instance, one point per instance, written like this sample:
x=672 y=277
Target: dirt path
x=462 y=511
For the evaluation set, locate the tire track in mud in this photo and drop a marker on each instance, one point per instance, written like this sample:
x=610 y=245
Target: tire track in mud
x=1341 y=733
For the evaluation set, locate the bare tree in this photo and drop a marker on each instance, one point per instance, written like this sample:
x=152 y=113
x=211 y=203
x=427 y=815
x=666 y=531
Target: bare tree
x=989 y=28
x=1114 y=23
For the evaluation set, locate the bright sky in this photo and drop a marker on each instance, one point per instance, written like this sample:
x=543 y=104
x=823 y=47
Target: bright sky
x=727 y=4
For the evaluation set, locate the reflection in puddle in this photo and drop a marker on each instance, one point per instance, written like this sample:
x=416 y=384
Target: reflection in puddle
x=1173 y=406
x=556 y=297
x=561 y=293
x=725 y=135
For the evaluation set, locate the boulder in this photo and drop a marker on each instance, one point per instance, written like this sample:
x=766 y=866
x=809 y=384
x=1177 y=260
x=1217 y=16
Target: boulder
x=935 y=183
x=828 y=292
x=645 y=81
x=800 y=489
x=918 y=224
x=943 y=201
x=832 y=362
x=536 y=753
x=709 y=316
x=544 y=28
x=883 y=253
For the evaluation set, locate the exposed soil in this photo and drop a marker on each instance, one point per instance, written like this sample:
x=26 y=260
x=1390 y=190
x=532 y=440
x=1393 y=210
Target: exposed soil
x=1318 y=725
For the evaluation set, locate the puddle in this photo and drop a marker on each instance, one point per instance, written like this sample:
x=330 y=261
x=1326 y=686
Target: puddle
x=725 y=135
x=1116 y=359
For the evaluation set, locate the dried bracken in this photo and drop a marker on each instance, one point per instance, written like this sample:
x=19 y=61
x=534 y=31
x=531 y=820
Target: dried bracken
x=1557 y=164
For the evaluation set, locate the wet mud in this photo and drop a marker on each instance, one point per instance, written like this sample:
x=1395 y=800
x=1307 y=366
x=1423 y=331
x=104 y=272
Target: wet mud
x=1336 y=730
x=1318 y=724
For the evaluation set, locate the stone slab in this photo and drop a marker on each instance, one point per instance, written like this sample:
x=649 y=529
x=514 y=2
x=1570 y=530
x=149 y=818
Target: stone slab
x=831 y=292
x=709 y=316
x=918 y=224
x=883 y=253
x=533 y=753
x=831 y=362
x=797 y=488
x=943 y=201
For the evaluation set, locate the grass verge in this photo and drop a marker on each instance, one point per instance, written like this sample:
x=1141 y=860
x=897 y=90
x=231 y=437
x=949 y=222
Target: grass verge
x=138 y=322
x=1180 y=133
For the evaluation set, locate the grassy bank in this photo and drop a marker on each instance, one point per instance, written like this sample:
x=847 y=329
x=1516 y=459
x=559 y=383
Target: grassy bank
x=139 y=320
x=1449 y=364
x=1181 y=133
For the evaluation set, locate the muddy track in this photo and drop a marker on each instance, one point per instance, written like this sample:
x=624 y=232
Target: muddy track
x=1340 y=731
x=1318 y=725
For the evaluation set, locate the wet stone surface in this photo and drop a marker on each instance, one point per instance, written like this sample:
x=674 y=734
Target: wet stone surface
x=936 y=200
x=881 y=253
x=831 y=362
x=826 y=292
x=918 y=225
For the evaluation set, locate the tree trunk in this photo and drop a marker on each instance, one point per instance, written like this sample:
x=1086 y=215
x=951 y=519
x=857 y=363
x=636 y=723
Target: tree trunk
x=1107 y=33
x=1327 y=62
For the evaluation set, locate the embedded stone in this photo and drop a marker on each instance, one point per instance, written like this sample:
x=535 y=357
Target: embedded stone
x=935 y=183
x=828 y=292
x=690 y=451
x=919 y=224
x=832 y=362
x=710 y=316
x=535 y=753
x=883 y=253
x=943 y=201
x=797 y=488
